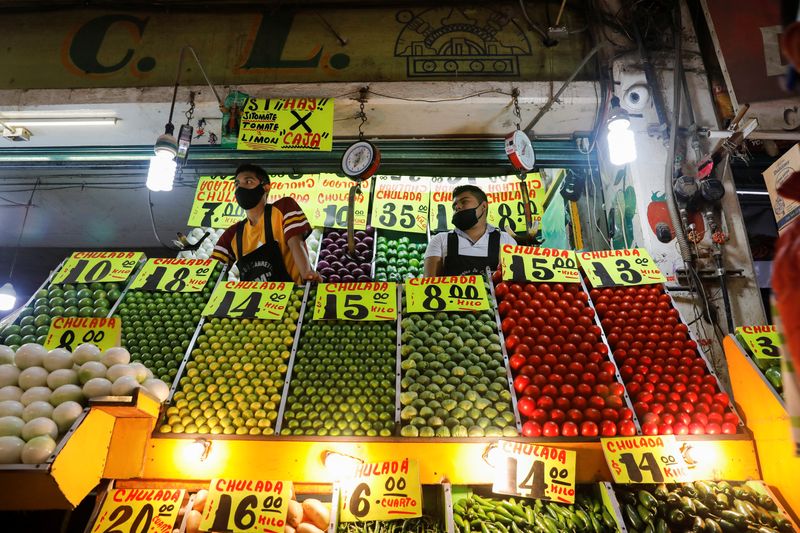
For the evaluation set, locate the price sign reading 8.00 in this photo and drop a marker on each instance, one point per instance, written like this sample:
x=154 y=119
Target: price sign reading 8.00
x=610 y=268
x=249 y=299
x=643 y=459
x=447 y=293
x=174 y=275
x=382 y=491
x=138 y=511
x=246 y=505
x=356 y=301
x=69 y=332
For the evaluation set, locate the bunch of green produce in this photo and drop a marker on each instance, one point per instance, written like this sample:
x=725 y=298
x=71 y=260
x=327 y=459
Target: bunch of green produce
x=771 y=368
x=157 y=327
x=587 y=514
x=399 y=258
x=454 y=379
x=233 y=382
x=343 y=379
x=70 y=300
x=702 y=506
x=423 y=524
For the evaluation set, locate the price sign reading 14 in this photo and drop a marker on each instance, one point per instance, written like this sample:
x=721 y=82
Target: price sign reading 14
x=246 y=505
x=447 y=293
x=610 y=268
x=174 y=275
x=356 y=301
x=138 y=511
x=644 y=459
x=70 y=332
x=530 y=263
x=382 y=491
x=249 y=299
x=97 y=267
x=535 y=471
x=763 y=341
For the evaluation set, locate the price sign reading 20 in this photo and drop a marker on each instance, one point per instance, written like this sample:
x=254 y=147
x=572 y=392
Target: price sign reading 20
x=174 y=275
x=138 y=511
x=356 y=301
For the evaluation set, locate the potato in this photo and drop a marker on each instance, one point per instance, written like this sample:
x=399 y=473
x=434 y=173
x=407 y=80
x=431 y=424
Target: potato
x=193 y=519
x=295 y=514
x=288 y=529
x=200 y=500
x=314 y=511
x=305 y=527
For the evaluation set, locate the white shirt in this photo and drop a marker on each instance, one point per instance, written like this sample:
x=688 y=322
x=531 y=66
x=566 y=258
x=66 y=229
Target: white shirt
x=480 y=248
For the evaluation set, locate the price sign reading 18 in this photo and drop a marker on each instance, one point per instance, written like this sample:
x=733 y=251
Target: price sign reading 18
x=249 y=299
x=610 y=268
x=71 y=332
x=246 y=505
x=174 y=275
x=534 y=471
x=382 y=491
x=138 y=511
x=763 y=341
x=447 y=293
x=97 y=267
x=530 y=263
x=644 y=459
x=356 y=301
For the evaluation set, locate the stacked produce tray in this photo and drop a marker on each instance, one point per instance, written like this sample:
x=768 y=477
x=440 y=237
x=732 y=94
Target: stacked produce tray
x=335 y=265
x=399 y=256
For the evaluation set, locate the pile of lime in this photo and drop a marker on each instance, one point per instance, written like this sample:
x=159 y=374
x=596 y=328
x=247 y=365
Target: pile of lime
x=233 y=382
x=343 y=379
x=454 y=380
x=399 y=257
x=157 y=327
x=70 y=300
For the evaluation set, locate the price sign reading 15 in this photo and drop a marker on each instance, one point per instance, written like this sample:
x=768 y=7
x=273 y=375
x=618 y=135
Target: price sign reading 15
x=174 y=275
x=97 y=267
x=643 y=459
x=356 y=301
x=249 y=299
x=531 y=263
x=138 y=511
x=447 y=293
x=610 y=268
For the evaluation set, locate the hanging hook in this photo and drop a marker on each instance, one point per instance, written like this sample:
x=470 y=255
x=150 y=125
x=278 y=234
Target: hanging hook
x=362 y=99
x=515 y=102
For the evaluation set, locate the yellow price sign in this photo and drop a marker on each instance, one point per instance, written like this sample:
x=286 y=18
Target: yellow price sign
x=246 y=505
x=174 y=275
x=214 y=204
x=611 y=268
x=139 y=510
x=535 y=471
x=401 y=203
x=531 y=263
x=70 y=332
x=295 y=124
x=356 y=301
x=643 y=459
x=97 y=267
x=446 y=293
x=387 y=490
x=249 y=299
x=506 y=208
x=763 y=341
x=299 y=187
x=328 y=205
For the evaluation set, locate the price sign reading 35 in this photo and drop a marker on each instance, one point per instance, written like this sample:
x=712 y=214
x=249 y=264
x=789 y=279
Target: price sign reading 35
x=138 y=511
x=382 y=491
x=97 y=267
x=611 y=268
x=643 y=459
x=174 y=275
x=249 y=299
x=356 y=301
x=246 y=505
x=530 y=263
x=447 y=293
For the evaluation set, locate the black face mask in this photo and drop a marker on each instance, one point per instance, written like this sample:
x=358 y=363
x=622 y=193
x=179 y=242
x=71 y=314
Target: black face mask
x=248 y=198
x=466 y=218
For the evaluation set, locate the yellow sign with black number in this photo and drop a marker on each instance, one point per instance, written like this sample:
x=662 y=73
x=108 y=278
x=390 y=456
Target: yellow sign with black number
x=174 y=275
x=328 y=204
x=387 y=490
x=98 y=267
x=246 y=506
x=645 y=459
x=614 y=268
x=249 y=299
x=145 y=510
x=446 y=293
x=506 y=208
x=764 y=341
x=531 y=263
x=356 y=301
x=291 y=124
x=70 y=332
x=299 y=187
x=401 y=203
x=535 y=471
x=214 y=204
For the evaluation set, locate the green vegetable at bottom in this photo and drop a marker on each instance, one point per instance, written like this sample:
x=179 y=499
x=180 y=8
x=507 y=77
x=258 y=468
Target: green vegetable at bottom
x=424 y=524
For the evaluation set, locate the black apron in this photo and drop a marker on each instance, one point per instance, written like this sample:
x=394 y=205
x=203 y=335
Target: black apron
x=459 y=265
x=265 y=263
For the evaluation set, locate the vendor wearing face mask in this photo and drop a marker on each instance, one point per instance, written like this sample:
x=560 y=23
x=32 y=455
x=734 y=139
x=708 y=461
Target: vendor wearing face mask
x=269 y=245
x=473 y=246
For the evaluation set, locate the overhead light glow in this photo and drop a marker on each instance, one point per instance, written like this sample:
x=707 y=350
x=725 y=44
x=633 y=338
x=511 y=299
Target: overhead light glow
x=8 y=297
x=621 y=141
x=71 y=121
x=163 y=165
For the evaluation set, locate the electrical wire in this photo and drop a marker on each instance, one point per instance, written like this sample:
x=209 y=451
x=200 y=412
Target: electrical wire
x=593 y=207
x=428 y=101
x=22 y=231
x=545 y=38
x=153 y=222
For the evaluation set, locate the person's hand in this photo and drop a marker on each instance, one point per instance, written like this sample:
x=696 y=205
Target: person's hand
x=313 y=275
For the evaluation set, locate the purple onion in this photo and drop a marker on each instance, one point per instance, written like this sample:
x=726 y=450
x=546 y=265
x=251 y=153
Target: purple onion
x=368 y=241
x=333 y=278
x=362 y=279
x=348 y=278
x=326 y=271
x=361 y=235
x=341 y=242
x=333 y=235
x=322 y=264
x=361 y=247
x=357 y=272
x=337 y=265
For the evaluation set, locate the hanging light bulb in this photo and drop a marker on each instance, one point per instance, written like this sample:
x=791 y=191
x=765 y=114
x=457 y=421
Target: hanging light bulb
x=8 y=297
x=620 y=140
x=162 y=164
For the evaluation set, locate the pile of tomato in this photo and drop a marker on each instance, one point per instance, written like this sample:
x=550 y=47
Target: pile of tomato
x=667 y=379
x=565 y=383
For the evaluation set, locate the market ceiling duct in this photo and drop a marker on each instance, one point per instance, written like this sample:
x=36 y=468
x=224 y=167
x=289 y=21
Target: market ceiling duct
x=163 y=165
x=620 y=140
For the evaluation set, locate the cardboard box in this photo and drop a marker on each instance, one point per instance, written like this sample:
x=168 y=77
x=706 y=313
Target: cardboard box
x=786 y=211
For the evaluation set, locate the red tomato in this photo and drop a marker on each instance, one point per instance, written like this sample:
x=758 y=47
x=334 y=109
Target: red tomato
x=526 y=406
x=608 y=428
x=501 y=289
x=715 y=418
x=515 y=288
x=728 y=428
x=696 y=429
x=650 y=428
x=545 y=402
x=679 y=428
x=539 y=416
x=516 y=361
x=597 y=402
x=511 y=342
x=563 y=403
x=722 y=398
x=531 y=429
x=579 y=402
x=589 y=429
x=569 y=429
x=713 y=429
x=527 y=370
x=665 y=429
x=550 y=429
x=557 y=415
x=575 y=415
x=626 y=428
x=550 y=390
x=520 y=382
x=592 y=414
x=667 y=418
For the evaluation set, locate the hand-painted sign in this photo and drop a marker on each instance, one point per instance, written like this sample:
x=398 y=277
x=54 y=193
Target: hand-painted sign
x=296 y=124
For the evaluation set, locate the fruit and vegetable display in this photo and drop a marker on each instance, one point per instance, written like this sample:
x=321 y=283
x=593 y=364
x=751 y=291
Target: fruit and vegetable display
x=313 y=244
x=565 y=383
x=423 y=524
x=336 y=265
x=234 y=378
x=63 y=299
x=42 y=393
x=343 y=378
x=769 y=367
x=702 y=506
x=508 y=515
x=157 y=327
x=667 y=379
x=454 y=380
x=399 y=257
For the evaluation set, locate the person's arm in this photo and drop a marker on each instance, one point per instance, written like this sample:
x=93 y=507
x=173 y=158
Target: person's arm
x=434 y=257
x=433 y=267
x=295 y=230
x=223 y=249
x=300 y=255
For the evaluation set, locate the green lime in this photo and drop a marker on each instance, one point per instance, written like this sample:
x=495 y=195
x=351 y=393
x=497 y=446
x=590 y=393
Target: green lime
x=98 y=294
x=41 y=310
x=13 y=339
x=42 y=330
x=100 y=312
x=41 y=294
x=41 y=339
x=84 y=293
x=71 y=311
x=57 y=311
x=70 y=294
x=30 y=329
x=28 y=338
x=86 y=302
x=41 y=320
x=39 y=302
x=56 y=292
x=13 y=329
x=114 y=294
x=26 y=320
x=96 y=287
x=56 y=301
x=102 y=302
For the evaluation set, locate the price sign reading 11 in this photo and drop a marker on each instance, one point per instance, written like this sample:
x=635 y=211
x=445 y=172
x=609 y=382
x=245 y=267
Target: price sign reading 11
x=174 y=275
x=356 y=301
x=612 y=268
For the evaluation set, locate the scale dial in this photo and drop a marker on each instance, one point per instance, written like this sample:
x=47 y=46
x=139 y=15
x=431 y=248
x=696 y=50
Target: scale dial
x=361 y=160
x=520 y=150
